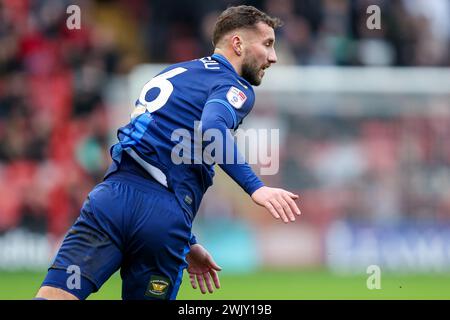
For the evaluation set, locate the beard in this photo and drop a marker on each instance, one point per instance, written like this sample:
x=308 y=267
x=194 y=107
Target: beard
x=250 y=72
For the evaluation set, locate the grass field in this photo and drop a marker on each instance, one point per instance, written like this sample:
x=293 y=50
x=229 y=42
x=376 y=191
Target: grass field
x=278 y=285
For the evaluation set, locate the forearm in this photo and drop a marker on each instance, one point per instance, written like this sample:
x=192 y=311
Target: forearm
x=228 y=156
x=243 y=175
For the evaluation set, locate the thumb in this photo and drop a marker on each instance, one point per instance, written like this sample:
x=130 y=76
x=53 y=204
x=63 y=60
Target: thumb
x=293 y=196
x=213 y=264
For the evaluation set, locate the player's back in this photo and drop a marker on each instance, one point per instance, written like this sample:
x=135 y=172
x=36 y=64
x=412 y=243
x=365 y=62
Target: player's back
x=167 y=113
x=190 y=83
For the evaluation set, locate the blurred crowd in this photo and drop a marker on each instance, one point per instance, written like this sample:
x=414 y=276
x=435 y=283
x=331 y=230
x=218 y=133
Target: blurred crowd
x=382 y=170
x=54 y=133
x=316 y=32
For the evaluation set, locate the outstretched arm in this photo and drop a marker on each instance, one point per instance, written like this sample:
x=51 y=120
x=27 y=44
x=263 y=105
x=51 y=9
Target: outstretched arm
x=280 y=203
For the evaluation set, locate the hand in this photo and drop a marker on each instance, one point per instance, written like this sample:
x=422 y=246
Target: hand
x=201 y=268
x=279 y=202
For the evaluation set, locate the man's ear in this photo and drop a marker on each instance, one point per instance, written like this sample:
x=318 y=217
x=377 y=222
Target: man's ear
x=236 y=43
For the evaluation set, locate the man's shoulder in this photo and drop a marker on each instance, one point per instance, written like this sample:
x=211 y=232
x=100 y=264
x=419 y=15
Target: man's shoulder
x=223 y=77
x=232 y=83
x=212 y=75
x=206 y=64
x=205 y=69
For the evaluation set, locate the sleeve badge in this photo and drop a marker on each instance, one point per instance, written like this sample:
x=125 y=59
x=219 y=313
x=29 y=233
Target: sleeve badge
x=236 y=97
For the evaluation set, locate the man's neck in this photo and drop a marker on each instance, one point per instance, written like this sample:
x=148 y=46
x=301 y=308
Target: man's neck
x=232 y=59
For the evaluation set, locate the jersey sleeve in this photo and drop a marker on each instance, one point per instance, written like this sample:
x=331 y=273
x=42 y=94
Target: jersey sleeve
x=234 y=96
x=216 y=116
x=193 y=240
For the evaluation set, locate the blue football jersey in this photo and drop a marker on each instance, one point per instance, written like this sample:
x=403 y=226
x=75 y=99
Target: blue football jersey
x=174 y=100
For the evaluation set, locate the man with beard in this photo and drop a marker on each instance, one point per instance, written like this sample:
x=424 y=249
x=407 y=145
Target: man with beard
x=139 y=218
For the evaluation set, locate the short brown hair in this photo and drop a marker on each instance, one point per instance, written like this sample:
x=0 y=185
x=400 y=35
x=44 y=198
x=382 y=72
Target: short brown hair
x=241 y=17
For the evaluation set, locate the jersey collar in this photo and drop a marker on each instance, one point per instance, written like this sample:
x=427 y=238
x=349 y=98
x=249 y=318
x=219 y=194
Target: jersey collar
x=220 y=58
x=223 y=60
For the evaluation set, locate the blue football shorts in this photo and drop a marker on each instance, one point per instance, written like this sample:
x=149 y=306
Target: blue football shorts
x=128 y=222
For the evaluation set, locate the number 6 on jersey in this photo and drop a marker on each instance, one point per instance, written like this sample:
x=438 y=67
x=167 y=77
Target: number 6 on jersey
x=165 y=86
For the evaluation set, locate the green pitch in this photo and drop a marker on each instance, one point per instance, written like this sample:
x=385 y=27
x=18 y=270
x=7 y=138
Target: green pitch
x=278 y=285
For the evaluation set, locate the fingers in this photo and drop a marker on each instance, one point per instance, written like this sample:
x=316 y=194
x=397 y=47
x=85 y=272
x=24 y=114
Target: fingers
x=292 y=205
x=192 y=279
x=204 y=281
x=201 y=283
x=215 y=278
x=208 y=282
x=272 y=210
x=286 y=207
x=283 y=206
x=279 y=209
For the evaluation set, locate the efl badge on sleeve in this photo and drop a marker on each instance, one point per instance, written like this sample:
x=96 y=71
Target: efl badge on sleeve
x=236 y=97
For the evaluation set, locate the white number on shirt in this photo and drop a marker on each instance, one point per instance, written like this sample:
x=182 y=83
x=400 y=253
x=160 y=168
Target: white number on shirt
x=165 y=86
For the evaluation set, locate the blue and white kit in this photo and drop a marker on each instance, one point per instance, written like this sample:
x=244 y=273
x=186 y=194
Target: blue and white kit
x=139 y=219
